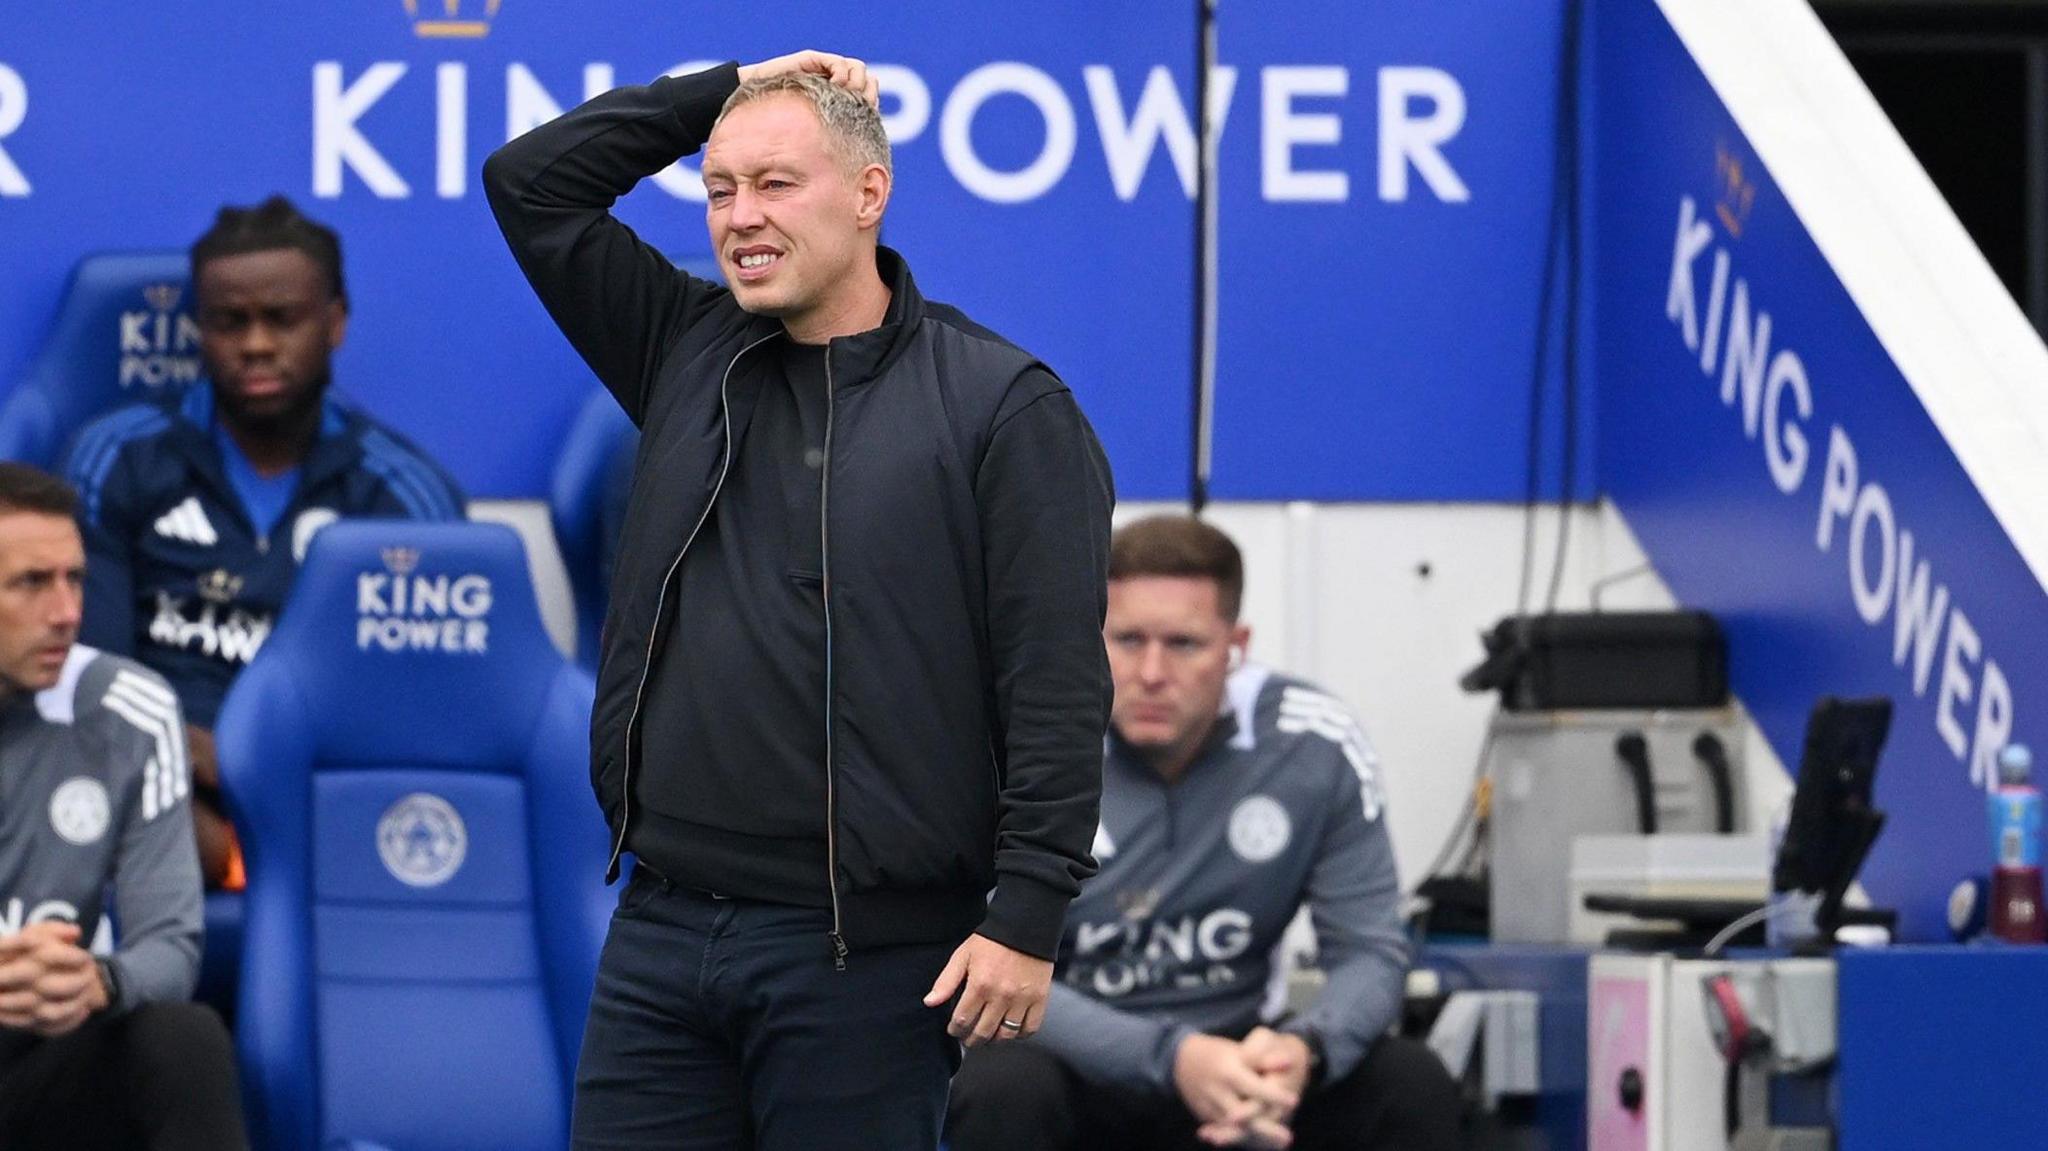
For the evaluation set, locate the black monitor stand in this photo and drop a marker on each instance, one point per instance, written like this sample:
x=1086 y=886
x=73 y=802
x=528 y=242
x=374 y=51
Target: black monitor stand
x=1863 y=824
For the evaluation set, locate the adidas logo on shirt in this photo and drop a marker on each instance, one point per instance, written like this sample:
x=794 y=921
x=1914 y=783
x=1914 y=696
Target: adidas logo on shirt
x=189 y=523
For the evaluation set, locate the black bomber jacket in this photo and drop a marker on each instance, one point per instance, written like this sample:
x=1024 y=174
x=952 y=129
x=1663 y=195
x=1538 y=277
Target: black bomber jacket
x=965 y=562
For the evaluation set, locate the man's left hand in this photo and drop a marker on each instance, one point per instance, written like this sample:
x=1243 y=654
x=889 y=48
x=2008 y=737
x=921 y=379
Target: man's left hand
x=1247 y=1125
x=71 y=991
x=1002 y=991
x=1282 y=1059
x=1279 y=1056
x=48 y=984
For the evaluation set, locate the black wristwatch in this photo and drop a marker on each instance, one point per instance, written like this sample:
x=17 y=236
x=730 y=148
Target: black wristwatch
x=110 y=980
x=1318 y=1066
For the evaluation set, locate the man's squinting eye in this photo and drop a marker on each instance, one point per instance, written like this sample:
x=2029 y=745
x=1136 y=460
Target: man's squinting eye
x=40 y=581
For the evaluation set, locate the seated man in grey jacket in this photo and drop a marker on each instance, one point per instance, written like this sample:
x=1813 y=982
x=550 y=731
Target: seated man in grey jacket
x=1231 y=797
x=95 y=1052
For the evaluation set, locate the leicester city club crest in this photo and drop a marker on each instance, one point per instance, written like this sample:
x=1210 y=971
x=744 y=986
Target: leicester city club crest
x=1259 y=829
x=422 y=840
x=79 y=810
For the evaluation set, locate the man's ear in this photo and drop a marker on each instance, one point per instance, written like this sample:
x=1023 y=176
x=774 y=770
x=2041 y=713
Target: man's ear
x=1240 y=645
x=337 y=323
x=873 y=186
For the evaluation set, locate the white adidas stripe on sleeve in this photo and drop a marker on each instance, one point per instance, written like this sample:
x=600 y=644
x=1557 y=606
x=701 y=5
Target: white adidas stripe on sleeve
x=1313 y=713
x=153 y=710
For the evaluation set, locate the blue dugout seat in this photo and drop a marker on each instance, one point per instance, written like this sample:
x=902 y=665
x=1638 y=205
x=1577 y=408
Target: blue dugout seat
x=587 y=495
x=123 y=332
x=407 y=764
x=586 y=502
x=220 y=961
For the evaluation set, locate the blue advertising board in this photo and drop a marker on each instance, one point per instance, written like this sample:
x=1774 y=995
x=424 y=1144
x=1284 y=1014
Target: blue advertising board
x=1783 y=474
x=1380 y=304
x=1386 y=181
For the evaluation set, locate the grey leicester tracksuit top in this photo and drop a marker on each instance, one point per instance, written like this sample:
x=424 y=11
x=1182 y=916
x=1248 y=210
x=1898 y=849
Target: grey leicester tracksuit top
x=95 y=788
x=1200 y=879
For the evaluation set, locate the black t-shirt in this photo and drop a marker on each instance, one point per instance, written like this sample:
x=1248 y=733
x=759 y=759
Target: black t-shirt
x=731 y=782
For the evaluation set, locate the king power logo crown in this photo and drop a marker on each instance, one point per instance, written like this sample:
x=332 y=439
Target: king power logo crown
x=163 y=297
x=1734 y=191
x=451 y=19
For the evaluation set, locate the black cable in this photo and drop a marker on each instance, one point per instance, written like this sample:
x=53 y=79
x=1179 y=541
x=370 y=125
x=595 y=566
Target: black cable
x=1533 y=487
x=1731 y=1100
x=1713 y=755
x=1205 y=43
x=1562 y=233
x=1634 y=753
x=1465 y=816
x=1568 y=150
x=1561 y=224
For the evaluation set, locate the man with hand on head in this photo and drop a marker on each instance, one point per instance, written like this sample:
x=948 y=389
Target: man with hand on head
x=1232 y=797
x=852 y=690
x=94 y=1052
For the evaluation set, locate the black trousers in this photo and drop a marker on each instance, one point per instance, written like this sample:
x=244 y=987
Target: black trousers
x=1021 y=1097
x=160 y=1077
x=721 y=1025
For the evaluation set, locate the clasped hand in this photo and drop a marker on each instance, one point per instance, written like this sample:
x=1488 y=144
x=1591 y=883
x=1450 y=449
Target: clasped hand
x=48 y=984
x=1244 y=1091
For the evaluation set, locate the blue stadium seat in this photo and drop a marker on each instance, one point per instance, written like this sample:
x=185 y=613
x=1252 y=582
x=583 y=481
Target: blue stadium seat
x=407 y=760
x=124 y=331
x=600 y=442
x=586 y=498
x=220 y=960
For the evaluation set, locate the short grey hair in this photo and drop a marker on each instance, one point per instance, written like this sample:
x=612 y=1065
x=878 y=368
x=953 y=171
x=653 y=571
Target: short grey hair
x=853 y=127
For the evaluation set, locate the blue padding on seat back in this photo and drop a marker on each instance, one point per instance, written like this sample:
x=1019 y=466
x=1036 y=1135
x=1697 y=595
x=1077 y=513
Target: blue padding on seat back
x=424 y=641
x=123 y=332
x=429 y=1067
x=451 y=946
x=586 y=492
x=220 y=956
x=585 y=472
x=419 y=838
x=407 y=758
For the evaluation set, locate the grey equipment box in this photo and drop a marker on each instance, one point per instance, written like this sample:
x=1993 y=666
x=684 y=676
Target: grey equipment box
x=1557 y=775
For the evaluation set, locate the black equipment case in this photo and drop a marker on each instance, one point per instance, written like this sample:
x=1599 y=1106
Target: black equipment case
x=1590 y=660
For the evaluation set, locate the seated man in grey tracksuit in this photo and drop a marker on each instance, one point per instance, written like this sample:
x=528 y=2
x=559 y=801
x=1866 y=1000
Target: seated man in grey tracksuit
x=95 y=1051
x=1231 y=797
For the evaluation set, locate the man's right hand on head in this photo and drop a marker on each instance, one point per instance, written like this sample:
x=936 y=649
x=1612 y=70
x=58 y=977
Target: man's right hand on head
x=845 y=71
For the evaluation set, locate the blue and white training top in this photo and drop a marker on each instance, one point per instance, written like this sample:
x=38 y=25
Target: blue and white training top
x=94 y=789
x=1178 y=931
x=178 y=574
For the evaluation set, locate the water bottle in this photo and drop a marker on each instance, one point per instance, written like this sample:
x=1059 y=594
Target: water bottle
x=2015 y=806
